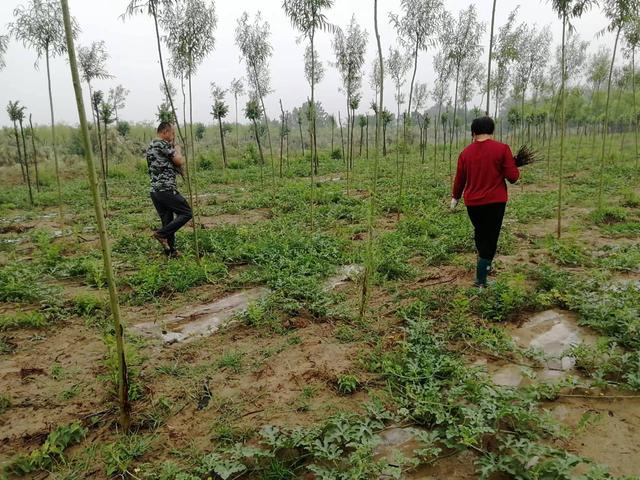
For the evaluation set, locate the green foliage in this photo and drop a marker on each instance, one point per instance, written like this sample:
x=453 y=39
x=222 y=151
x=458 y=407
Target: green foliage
x=5 y=403
x=22 y=320
x=505 y=297
x=154 y=280
x=119 y=456
x=336 y=154
x=347 y=384
x=51 y=452
x=231 y=360
x=20 y=282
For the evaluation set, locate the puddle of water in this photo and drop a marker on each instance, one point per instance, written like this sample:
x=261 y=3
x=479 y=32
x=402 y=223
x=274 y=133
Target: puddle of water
x=201 y=320
x=396 y=441
x=551 y=332
x=344 y=275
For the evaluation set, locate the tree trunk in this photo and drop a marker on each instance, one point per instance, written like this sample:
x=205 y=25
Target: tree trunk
x=344 y=158
x=493 y=18
x=53 y=138
x=235 y=96
x=453 y=120
x=22 y=163
x=35 y=153
x=255 y=129
x=105 y=190
x=26 y=162
x=282 y=133
x=606 y=121
x=563 y=82
x=123 y=386
x=301 y=138
x=635 y=108
x=314 y=149
x=224 y=151
x=361 y=140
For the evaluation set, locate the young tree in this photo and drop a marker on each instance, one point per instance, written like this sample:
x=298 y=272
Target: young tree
x=460 y=39
x=417 y=29
x=308 y=17
x=96 y=101
x=350 y=48
x=92 y=62
x=632 y=37
x=506 y=52
x=420 y=94
x=16 y=115
x=253 y=113
x=566 y=10
x=35 y=152
x=106 y=115
x=123 y=386
x=314 y=73
x=284 y=133
x=369 y=254
x=237 y=89
x=39 y=26
x=621 y=14
x=491 y=40
x=533 y=55
x=117 y=98
x=190 y=25
x=439 y=94
x=219 y=111
x=253 y=41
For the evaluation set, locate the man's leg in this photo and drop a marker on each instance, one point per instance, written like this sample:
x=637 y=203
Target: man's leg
x=178 y=206
x=165 y=214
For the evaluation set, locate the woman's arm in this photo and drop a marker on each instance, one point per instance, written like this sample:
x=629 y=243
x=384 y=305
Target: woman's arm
x=509 y=168
x=460 y=180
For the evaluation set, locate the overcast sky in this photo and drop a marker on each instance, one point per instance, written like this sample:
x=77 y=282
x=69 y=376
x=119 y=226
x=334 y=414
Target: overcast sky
x=134 y=63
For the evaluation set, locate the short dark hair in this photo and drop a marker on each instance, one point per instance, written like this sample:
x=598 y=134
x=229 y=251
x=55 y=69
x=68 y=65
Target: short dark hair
x=483 y=126
x=164 y=126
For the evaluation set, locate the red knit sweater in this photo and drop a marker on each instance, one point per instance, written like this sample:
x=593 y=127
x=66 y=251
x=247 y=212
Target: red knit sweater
x=482 y=170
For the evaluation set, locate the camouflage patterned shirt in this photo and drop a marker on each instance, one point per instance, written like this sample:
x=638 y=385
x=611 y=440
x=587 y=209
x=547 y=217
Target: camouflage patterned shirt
x=161 y=168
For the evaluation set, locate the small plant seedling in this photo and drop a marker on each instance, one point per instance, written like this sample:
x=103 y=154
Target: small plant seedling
x=347 y=384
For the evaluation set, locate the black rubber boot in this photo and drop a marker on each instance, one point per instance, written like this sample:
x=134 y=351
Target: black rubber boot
x=483 y=267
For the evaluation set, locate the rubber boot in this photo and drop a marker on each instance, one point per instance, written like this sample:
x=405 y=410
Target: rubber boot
x=483 y=268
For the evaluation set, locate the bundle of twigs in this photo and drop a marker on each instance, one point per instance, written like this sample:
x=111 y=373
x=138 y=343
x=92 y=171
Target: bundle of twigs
x=526 y=156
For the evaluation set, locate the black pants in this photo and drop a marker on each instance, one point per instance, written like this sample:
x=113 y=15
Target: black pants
x=174 y=212
x=487 y=222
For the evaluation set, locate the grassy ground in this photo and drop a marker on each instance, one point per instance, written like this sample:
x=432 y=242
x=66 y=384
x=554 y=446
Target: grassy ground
x=300 y=386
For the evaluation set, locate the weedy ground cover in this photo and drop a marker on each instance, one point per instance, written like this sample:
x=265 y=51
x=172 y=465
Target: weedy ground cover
x=299 y=384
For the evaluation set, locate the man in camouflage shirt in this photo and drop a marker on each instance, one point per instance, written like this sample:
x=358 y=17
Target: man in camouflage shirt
x=165 y=162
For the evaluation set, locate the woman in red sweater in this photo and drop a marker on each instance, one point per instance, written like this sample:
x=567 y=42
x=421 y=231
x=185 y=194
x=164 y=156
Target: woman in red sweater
x=482 y=170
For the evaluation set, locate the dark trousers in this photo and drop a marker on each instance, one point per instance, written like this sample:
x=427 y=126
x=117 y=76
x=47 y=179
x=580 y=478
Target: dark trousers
x=174 y=212
x=487 y=222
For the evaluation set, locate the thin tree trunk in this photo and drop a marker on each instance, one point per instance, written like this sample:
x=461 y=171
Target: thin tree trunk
x=235 y=96
x=123 y=386
x=301 y=137
x=105 y=190
x=370 y=258
x=24 y=163
x=53 y=138
x=196 y=210
x=606 y=121
x=563 y=82
x=344 y=158
x=282 y=133
x=314 y=150
x=255 y=129
x=224 y=151
x=35 y=153
x=455 y=111
x=361 y=140
x=493 y=18
x=635 y=108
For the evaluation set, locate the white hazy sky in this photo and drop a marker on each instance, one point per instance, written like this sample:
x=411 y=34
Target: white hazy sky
x=134 y=63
